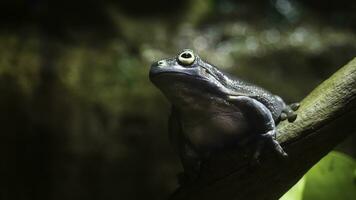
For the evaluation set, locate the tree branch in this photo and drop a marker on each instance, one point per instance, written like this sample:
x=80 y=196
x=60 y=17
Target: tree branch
x=326 y=116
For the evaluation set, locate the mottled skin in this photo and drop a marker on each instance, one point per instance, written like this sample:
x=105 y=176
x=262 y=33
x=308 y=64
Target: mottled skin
x=212 y=111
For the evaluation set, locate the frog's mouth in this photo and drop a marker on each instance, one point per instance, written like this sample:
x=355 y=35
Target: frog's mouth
x=177 y=81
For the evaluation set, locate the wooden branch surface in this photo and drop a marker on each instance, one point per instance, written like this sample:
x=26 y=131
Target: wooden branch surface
x=326 y=116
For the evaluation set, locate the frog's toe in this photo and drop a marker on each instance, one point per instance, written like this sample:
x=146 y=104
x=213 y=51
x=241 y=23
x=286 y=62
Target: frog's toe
x=292 y=117
x=294 y=106
x=283 y=116
x=269 y=138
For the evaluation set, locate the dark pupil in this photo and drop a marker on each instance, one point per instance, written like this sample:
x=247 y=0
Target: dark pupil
x=186 y=55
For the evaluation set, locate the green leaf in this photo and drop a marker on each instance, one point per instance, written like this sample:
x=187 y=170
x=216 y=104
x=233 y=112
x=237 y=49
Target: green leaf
x=332 y=178
x=296 y=192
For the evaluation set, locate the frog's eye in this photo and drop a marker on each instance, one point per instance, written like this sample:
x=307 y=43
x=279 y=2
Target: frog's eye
x=186 y=57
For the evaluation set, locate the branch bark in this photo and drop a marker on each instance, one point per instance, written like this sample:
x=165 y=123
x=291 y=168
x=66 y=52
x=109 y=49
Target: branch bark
x=326 y=116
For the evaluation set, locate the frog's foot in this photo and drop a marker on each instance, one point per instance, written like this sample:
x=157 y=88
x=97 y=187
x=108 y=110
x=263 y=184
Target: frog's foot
x=289 y=112
x=269 y=139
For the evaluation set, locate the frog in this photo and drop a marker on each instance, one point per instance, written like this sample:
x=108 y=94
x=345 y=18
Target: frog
x=213 y=111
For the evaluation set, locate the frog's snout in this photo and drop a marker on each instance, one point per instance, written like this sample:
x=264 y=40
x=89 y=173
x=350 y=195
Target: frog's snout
x=158 y=68
x=161 y=63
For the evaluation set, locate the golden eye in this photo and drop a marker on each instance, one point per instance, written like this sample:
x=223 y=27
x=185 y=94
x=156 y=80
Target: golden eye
x=186 y=57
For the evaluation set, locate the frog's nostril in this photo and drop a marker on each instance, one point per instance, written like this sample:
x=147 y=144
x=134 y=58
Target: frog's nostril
x=161 y=63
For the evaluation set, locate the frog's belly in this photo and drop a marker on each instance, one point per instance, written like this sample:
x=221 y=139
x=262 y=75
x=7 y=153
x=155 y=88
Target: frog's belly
x=217 y=131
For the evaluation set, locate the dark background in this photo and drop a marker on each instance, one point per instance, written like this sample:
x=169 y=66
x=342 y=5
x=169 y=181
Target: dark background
x=79 y=118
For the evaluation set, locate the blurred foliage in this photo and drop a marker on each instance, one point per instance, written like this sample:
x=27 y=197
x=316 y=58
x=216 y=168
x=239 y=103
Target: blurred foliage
x=331 y=178
x=296 y=192
x=80 y=119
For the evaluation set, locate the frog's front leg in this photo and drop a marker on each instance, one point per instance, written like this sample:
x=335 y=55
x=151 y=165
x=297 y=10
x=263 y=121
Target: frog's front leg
x=190 y=158
x=261 y=122
x=191 y=162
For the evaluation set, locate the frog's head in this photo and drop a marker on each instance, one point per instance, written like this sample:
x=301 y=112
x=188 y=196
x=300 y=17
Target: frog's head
x=186 y=78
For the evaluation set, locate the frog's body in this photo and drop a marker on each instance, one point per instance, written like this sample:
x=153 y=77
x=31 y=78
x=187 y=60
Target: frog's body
x=212 y=111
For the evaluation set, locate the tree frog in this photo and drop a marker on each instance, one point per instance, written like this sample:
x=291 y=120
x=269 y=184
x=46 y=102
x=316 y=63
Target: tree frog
x=212 y=111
